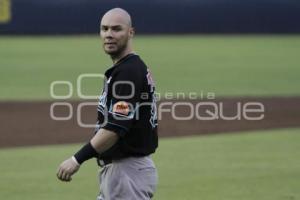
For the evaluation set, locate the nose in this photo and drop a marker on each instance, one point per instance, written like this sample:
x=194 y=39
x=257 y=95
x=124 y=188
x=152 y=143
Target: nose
x=108 y=33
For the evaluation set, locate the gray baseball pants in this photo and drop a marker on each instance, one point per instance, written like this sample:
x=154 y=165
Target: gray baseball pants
x=133 y=178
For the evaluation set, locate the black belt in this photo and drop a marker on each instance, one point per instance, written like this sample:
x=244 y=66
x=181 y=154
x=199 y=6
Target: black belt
x=102 y=163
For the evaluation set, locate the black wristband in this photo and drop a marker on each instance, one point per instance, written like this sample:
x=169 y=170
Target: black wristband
x=85 y=153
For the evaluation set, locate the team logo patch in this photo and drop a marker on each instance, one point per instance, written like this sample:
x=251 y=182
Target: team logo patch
x=121 y=107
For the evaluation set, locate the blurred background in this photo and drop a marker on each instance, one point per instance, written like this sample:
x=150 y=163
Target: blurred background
x=236 y=51
x=187 y=16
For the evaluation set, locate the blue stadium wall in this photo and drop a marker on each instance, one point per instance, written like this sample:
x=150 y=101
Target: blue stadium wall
x=151 y=17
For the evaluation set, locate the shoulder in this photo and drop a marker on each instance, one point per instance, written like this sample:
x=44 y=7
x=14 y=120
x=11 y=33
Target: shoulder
x=133 y=66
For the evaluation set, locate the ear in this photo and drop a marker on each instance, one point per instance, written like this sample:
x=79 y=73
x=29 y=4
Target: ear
x=131 y=32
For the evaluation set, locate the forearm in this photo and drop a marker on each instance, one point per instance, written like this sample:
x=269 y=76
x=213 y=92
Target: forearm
x=102 y=141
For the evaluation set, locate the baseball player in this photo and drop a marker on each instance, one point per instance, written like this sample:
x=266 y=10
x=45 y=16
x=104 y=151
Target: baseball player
x=126 y=132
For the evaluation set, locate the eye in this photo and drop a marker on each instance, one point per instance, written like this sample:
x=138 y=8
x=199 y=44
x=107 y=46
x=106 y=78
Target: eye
x=104 y=28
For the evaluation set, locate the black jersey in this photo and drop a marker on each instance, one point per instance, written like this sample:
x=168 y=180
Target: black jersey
x=127 y=106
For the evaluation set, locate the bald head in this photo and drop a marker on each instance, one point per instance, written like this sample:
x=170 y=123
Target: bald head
x=116 y=32
x=116 y=16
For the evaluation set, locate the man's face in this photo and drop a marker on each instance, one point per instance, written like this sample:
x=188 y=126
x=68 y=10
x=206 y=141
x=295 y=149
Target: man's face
x=115 y=35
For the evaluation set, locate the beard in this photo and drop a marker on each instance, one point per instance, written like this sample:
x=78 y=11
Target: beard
x=117 y=52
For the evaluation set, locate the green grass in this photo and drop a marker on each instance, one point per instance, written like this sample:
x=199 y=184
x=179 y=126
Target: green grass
x=262 y=165
x=227 y=65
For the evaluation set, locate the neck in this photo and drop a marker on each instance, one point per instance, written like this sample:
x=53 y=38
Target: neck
x=116 y=58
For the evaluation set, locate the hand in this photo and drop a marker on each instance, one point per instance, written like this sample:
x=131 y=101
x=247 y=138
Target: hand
x=67 y=169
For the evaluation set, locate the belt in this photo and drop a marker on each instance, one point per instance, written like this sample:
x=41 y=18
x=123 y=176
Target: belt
x=102 y=163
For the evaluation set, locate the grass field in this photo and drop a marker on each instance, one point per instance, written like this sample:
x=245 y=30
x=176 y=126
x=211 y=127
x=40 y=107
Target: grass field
x=226 y=65
x=258 y=165
x=255 y=165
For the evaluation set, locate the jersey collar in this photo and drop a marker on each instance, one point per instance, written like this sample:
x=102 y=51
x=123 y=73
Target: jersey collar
x=128 y=56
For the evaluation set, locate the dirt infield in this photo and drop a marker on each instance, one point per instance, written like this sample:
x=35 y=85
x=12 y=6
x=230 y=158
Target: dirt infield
x=29 y=123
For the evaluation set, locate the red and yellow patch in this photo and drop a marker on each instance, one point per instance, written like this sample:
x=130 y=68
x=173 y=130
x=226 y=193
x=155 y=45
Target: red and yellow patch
x=121 y=107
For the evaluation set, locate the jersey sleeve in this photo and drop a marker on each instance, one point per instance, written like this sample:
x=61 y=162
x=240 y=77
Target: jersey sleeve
x=125 y=91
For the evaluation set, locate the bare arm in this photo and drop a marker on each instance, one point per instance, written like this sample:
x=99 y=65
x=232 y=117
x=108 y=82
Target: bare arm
x=103 y=140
